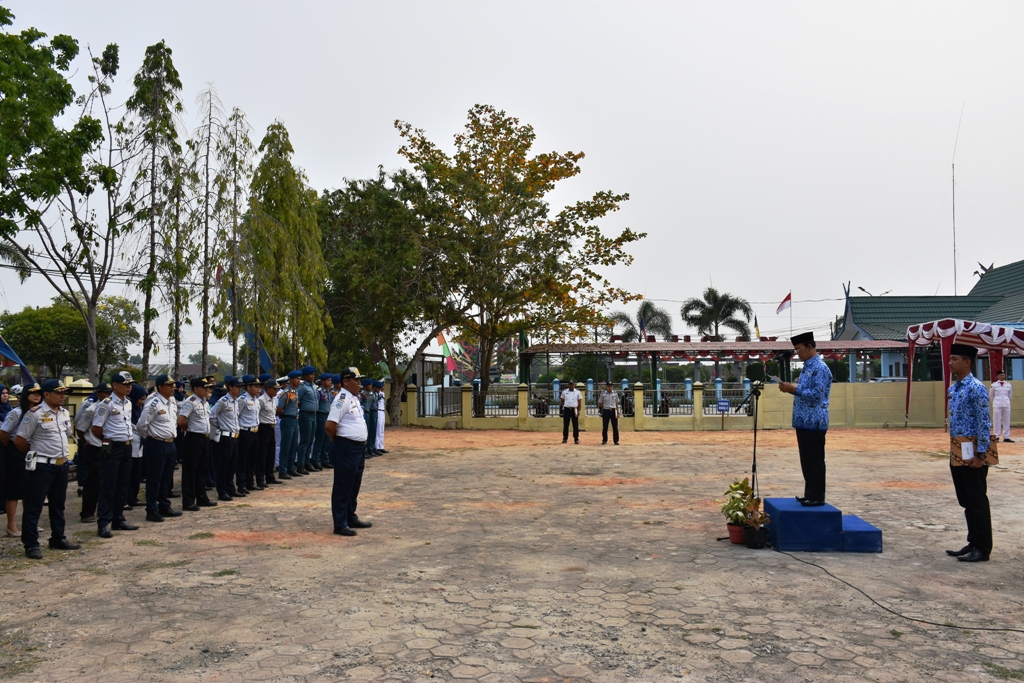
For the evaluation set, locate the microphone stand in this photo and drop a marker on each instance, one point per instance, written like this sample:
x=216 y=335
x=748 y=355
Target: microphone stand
x=752 y=398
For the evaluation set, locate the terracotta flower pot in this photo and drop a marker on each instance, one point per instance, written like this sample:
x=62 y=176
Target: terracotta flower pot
x=735 y=533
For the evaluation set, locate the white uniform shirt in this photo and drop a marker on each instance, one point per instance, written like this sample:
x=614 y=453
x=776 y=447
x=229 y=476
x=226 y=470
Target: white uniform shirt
x=347 y=413
x=47 y=430
x=224 y=416
x=159 y=418
x=608 y=400
x=12 y=421
x=196 y=412
x=381 y=406
x=83 y=422
x=572 y=398
x=114 y=415
x=268 y=408
x=248 y=411
x=999 y=394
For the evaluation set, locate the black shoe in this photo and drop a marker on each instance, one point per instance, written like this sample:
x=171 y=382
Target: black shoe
x=35 y=553
x=327 y=466
x=283 y=475
x=1008 y=441
x=957 y=553
x=565 y=440
x=382 y=451
x=207 y=503
x=191 y=508
x=239 y=494
x=153 y=517
x=616 y=443
x=88 y=520
x=272 y=481
x=973 y=556
x=104 y=532
x=360 y=524
x=123 y=525
x=576 y=441
x=135 y=503
x=257 y=487
x=316 y=467
x=210 y=488
x=303 y=471
x=172 y=494
x=807 y=502
x=294 y=473
x=345 y=531
x=64 y=544
x=170 y=512
x=800 y=499
x=225 y=497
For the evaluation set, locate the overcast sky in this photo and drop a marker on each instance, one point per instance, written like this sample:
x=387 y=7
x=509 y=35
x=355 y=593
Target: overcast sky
x=766 y=147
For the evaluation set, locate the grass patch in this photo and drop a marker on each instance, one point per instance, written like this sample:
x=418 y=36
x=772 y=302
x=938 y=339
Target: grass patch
x=225 y=572
x=524 y=626
x=149 y=542
x=16 y=654
x=1004 y=673
x=98 y=571
x=201 y=535
x=895 y=634
x=162 y=565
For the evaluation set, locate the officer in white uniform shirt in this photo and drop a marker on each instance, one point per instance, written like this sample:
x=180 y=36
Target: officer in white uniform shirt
x=571 y=402
x=248 y=437
x=194 y=418
x=112 y=425
x=999 y=395
x=224 y=430
x=44 y=431
x=266 y=466
x=347 y=429
x=87 y=460
x=158 y=427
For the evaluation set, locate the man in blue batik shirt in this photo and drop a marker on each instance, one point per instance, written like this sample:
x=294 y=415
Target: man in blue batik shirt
x=810 y=416
x=970 y=453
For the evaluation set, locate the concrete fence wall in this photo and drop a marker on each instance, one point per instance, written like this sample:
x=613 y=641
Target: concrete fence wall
x=852 y=404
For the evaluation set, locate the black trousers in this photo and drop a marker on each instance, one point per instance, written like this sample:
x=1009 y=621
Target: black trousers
x=248 y=446
x=608 y=415
x=158 y=460
x=227 y=454
x=194 y=469
x=349 y=460
x=115 y=475
x=47 y=482
x=812 y=462
x=971 y=484
x=135 y=479
x=88 y=462
x=567 y=415
x=265 y=454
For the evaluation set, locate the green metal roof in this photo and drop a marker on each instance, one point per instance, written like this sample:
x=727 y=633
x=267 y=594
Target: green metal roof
x=1001 y=281
x=1009 y=309
x=888 y=317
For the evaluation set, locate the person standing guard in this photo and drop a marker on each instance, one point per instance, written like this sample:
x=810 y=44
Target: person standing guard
x=46 y=429
x=267 y=403
x=248 y=435
x=346 y=428
x=999 y=395
x=324 y=399
x=194 y=419
x=608 y=404
x=112 y=424
x=308 y=405
x=810 y=416
x=571 y=402
x=368 y=401
x=158 y=427
x=14 y=461
x=224 y=428
x=970 y=453
x=87 y=459
x=378 y=443
x=288 y=411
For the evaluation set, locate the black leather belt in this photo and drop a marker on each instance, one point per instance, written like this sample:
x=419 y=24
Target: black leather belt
x=290 y=417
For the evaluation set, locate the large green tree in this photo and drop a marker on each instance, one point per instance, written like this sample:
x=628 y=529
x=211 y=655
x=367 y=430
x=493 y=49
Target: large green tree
x=156 y=106
x=280 y=264
x=38 y=159
x=716 y=310
x=526 y=267
x=650 y=318
x=389 y=277
x=53 y=337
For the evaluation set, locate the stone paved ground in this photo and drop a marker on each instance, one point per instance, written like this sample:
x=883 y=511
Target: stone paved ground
x=510 y=557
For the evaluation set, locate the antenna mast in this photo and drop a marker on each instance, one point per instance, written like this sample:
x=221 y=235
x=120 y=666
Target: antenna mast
x=953 y=167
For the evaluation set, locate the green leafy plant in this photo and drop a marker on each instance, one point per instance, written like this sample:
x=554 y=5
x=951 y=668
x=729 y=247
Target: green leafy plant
x=737 y=500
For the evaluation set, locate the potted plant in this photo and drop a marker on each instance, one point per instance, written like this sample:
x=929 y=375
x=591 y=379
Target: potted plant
x=734 y=507
x=754 y=533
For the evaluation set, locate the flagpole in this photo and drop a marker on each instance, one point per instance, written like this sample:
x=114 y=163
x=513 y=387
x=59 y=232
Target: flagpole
x=790 y=313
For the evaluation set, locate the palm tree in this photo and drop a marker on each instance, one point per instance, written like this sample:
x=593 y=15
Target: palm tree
x=653 y=319
x=717 y=310
x=11 y=254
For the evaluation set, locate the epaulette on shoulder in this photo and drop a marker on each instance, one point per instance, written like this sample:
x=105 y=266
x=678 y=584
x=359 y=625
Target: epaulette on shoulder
x=35 y=408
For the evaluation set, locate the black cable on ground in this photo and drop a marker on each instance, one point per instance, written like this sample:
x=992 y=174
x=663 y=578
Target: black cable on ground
x=894 y=612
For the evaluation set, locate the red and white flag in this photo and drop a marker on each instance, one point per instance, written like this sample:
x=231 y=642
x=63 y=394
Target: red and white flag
x=786 y=303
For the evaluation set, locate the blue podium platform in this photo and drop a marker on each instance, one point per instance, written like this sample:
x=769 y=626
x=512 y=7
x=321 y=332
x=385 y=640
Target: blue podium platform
x=794 y=527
